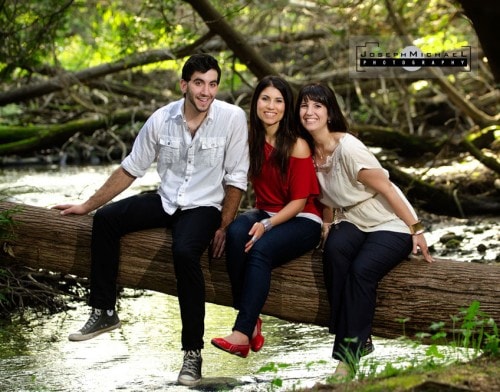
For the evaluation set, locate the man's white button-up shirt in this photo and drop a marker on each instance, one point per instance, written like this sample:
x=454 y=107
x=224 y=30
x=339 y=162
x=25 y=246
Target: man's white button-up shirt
x=193 y=170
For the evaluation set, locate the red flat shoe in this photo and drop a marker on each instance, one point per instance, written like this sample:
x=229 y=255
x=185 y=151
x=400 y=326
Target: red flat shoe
x=240 y=350
x=258 y=340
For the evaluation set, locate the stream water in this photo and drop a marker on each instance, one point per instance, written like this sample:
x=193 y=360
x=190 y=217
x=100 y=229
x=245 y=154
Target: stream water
x=144 y=355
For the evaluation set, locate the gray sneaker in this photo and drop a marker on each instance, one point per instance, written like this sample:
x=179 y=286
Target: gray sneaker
x=100 y=321
x=190 y=373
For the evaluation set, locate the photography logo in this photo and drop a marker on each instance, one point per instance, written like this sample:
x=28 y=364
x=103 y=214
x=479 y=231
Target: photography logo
x=388 y=58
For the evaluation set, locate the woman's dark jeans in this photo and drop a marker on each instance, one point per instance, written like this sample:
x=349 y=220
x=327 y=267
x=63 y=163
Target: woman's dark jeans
x=192 y=231
x=250 y=273
x=354 y=262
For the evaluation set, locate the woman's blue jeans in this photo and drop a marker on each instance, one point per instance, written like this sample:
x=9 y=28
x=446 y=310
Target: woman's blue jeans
x=250 y=273
x=192 y=231
x=353 y=263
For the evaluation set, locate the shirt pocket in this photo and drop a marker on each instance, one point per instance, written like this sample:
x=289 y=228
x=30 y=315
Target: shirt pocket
x=170 y=149
x=211 y=150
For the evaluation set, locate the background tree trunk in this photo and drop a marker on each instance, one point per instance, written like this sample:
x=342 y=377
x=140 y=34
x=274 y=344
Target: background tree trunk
x=234 y=40
x=442 y=201
x=23 y=139
x=484 y=16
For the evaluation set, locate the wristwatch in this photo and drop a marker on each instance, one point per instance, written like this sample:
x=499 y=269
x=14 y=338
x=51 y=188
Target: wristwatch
x=267 y=224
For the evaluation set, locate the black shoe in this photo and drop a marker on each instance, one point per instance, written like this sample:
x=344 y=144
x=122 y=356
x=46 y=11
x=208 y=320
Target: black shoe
x=190 y=373
x=368 y=348
x=100 y=321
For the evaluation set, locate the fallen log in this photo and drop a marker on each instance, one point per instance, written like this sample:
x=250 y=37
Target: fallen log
x=412 y=297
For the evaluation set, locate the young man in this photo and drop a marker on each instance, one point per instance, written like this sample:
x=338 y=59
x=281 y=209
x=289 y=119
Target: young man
x=200 y=145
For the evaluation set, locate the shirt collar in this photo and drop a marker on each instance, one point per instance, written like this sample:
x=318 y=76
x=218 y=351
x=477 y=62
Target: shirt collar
x=179 y=115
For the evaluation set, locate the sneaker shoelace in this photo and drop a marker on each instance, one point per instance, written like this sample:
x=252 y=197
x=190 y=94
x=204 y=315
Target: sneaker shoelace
x=191 y=362
x=91 y=321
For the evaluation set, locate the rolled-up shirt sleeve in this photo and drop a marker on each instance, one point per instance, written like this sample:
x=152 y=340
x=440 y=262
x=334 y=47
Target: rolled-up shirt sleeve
x=145 y=148
x=237 y=159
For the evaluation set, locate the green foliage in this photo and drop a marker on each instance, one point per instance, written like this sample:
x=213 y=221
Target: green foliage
x=109 y=30
x=403 y=321
x=474 y=334
x=303 y=41
x=7 y=223
x=433 y=351
x=12 y=112
x=274 y=367
x=389 y=370
x=28 y=30
x=479 y=331
x=492 y=340
x=76 y=34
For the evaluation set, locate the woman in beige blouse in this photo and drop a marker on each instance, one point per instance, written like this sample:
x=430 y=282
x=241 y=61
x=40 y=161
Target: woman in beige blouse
x=370 y=227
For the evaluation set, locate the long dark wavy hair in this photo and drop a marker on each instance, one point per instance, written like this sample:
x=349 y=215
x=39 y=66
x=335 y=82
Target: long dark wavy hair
x=286 y=135
x=323 y=94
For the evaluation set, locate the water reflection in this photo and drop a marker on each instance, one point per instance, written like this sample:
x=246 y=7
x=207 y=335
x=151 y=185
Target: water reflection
x=145 y=355
x=48 y=185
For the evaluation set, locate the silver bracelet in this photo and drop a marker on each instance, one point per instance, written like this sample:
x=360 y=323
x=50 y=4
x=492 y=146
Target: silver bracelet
x=267 y=224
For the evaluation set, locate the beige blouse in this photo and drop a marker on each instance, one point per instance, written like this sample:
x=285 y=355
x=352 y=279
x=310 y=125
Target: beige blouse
x=355 y=202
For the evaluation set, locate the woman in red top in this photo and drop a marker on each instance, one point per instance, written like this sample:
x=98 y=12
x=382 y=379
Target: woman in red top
x=285 y=222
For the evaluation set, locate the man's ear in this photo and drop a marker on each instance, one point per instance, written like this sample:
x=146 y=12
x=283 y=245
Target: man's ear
x=183 y=85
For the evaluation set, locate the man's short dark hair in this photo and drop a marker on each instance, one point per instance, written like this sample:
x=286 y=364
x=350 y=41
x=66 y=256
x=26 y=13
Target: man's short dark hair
x=200 y=63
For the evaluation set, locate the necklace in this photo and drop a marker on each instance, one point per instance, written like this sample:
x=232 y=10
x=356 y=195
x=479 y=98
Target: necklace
x=322 y=154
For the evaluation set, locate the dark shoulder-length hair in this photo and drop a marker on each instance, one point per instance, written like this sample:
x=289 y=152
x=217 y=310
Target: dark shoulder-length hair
x=287 y=132
x=323 y=94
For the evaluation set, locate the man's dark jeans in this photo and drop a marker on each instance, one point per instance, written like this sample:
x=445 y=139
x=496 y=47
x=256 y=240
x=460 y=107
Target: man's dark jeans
x=192 y=231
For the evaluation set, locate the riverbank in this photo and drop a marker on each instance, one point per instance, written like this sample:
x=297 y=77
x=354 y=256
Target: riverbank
x=479 y=375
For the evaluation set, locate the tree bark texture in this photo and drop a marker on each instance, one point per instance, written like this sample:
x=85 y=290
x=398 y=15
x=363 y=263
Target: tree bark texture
x=415 y=291
x=233 y=39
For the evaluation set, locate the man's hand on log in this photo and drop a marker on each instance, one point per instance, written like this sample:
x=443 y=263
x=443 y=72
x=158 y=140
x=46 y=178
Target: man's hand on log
x=66 y=209
x=218 y=243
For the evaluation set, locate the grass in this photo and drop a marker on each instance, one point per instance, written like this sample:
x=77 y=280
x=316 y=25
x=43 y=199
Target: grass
x=7 y=223
x=470 y=355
